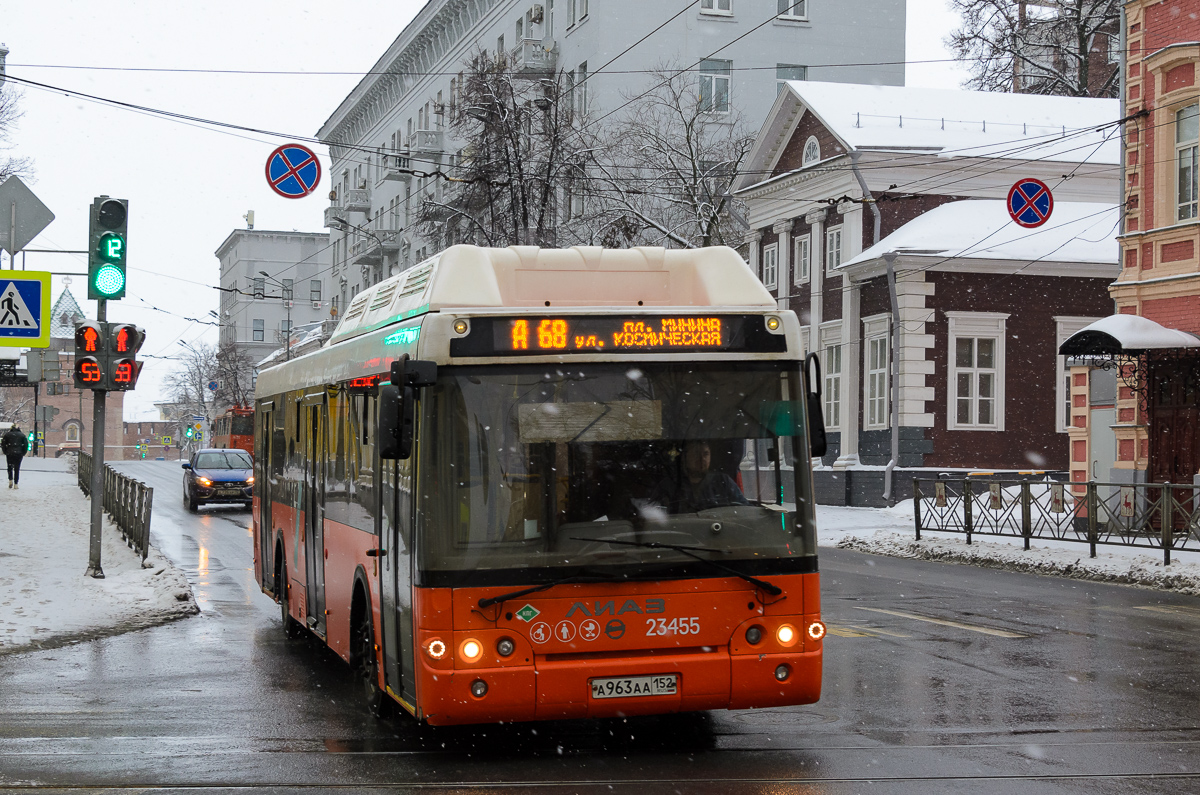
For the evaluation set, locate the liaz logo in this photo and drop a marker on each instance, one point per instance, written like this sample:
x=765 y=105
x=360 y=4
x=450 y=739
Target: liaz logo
x=610 y=608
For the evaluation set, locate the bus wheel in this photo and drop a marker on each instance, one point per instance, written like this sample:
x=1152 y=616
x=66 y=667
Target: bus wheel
x=291 y=627
x=367 y=666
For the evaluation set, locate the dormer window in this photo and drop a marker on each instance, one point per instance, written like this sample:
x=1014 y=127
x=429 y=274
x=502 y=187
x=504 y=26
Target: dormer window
x=812 y=151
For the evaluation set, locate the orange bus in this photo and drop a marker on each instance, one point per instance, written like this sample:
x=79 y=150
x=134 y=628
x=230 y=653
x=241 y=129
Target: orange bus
x=235 y=429
x=525 y=484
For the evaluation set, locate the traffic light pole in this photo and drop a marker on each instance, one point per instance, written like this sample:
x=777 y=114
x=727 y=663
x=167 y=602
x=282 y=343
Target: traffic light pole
x=98 y=401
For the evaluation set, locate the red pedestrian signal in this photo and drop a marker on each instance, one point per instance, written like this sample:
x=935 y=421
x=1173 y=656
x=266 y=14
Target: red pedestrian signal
x=104 y=355
x=125 y=338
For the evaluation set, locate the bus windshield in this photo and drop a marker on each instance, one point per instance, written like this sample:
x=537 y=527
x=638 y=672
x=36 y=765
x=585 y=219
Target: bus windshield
x=536 y=466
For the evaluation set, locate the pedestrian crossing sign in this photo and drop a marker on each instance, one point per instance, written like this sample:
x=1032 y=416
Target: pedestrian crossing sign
x=24 y=309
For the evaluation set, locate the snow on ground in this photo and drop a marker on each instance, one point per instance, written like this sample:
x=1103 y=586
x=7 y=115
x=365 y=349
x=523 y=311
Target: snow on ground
x=45 y=598
x=890 y=531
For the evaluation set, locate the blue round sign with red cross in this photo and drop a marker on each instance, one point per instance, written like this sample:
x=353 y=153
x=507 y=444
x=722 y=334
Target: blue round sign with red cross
x=293 y=171
x=1030 y=202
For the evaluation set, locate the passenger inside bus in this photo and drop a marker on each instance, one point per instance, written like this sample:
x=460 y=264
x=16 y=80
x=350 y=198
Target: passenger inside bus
x=698 y=486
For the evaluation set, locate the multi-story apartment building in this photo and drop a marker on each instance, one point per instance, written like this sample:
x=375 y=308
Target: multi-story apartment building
x=739 y=51
x=272 y=282
x=1149 y=419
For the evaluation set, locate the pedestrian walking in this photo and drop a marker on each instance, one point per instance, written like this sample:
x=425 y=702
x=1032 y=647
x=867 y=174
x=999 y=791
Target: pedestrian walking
x=14 y=445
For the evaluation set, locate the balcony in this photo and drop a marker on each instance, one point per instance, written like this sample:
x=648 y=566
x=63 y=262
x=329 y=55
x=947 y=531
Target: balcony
x=429 y=142
x=370 y=249
x=534 y=58
x=395 y=167
x=332 y=213
x=358 y=201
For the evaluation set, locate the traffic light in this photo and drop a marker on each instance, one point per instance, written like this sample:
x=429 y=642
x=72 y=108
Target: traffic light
x=90 y=357
x=107 y=233
x=124 y=341
x=188 y=431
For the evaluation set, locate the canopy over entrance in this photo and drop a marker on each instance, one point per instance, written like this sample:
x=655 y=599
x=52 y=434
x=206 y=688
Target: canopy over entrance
x=1119 y=335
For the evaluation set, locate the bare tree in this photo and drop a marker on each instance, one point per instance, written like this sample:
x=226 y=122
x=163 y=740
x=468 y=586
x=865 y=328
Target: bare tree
x=187 y=384
x=16 y=405
x=526 y=145
x=234 y=376
x=1061 y=47
x=10 y=114
x=662 y=174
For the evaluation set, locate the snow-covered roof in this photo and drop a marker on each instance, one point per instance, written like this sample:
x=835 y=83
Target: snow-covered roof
x=966 y=123
x=981 y=229
x=941 y=122
x=63 y=316
x=1123 y=334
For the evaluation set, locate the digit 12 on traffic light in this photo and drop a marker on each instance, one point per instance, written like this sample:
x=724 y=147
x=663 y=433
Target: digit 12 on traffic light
x=107 y=233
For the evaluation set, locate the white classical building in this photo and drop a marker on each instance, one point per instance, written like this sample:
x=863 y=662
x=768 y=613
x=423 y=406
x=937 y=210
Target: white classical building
x=741 y=51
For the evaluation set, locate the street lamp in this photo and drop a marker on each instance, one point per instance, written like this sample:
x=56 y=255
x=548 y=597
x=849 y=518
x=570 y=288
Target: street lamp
x=287 y=304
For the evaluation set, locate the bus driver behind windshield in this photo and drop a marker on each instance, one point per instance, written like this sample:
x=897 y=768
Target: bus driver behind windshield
x=699 y=487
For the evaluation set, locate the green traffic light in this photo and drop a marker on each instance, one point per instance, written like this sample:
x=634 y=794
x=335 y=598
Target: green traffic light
x=109 y=280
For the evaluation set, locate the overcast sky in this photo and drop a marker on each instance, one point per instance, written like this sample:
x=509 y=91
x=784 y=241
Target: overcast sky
x=188 y=184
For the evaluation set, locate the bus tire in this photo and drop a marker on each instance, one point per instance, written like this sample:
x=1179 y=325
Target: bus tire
x=291 y=627
x=366 y=665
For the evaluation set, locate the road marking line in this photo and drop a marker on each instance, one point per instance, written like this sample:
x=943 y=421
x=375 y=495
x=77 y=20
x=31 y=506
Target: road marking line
x=843 y=632
x=1000 y=633
x=1171 y=610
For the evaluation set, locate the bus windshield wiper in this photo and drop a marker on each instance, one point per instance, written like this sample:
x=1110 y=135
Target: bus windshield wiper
x=774 y=590
x=504 y=597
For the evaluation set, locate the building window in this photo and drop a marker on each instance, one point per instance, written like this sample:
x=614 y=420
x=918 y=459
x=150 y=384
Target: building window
x=285 y=328
x=976 y=384
x=875 y=363
x=716 y=7
x=259 y=330
x=287 y=289
x=833 y=385
x=314 y=290
x=714 y=85
x=833 y=248
x=812 y=151
x=787 y=71
x=770 y=265
x=258 y=286
x=793 y=9
x=1187 y=130
x=581 y=89
x=803 y=256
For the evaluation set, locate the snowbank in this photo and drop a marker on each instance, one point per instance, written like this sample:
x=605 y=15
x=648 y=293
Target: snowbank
x=890 y=532
x=45 y=599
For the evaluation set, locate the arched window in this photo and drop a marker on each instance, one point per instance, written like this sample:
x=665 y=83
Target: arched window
x=812 y=151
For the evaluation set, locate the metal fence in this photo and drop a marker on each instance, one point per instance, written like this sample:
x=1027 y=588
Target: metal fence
x=1162 y=516
x=126 y=500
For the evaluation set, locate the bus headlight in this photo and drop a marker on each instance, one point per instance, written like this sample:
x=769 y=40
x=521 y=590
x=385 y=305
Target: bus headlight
x=436 y=648
x=470 y=650
x=461 y=326
x=754 y=635
x=479 y=688
x=783 y=672
x=773 y=323
x=786 y=635
x=816 y=630
x=505 y=647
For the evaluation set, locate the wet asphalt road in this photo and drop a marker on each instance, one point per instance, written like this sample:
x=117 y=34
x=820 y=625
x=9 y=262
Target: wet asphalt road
x=938 y=679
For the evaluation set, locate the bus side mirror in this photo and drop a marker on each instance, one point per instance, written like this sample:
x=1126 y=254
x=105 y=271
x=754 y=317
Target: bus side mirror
x=413 y=372
x=812 y=390
x=397 y=416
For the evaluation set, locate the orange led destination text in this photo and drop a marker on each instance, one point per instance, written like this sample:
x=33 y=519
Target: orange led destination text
x=668 y=332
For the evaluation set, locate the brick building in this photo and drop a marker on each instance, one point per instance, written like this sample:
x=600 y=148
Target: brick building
x=1155 y=403
x=843 y=178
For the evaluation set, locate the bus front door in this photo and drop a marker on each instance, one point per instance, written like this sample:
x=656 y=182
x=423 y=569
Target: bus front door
x=314 y=510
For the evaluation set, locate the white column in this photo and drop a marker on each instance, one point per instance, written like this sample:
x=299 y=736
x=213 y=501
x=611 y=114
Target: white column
x=752 y=238
x=783 y=280
x=851 y=372
x=816 y=276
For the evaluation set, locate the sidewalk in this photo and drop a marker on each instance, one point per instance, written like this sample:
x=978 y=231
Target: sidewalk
x=45 y=599
x=889 y=531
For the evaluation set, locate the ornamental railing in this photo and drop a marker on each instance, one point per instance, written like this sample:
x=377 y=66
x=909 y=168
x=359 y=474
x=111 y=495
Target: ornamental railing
x=129 y=502
x=1162 y=516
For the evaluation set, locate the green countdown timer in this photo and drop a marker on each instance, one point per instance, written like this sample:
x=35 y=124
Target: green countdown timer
x=111 y=247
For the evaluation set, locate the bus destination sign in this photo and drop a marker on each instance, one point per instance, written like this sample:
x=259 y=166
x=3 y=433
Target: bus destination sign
x=516 y=336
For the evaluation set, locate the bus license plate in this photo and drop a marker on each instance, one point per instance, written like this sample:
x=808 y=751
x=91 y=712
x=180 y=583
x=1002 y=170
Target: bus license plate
x=630 y=686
